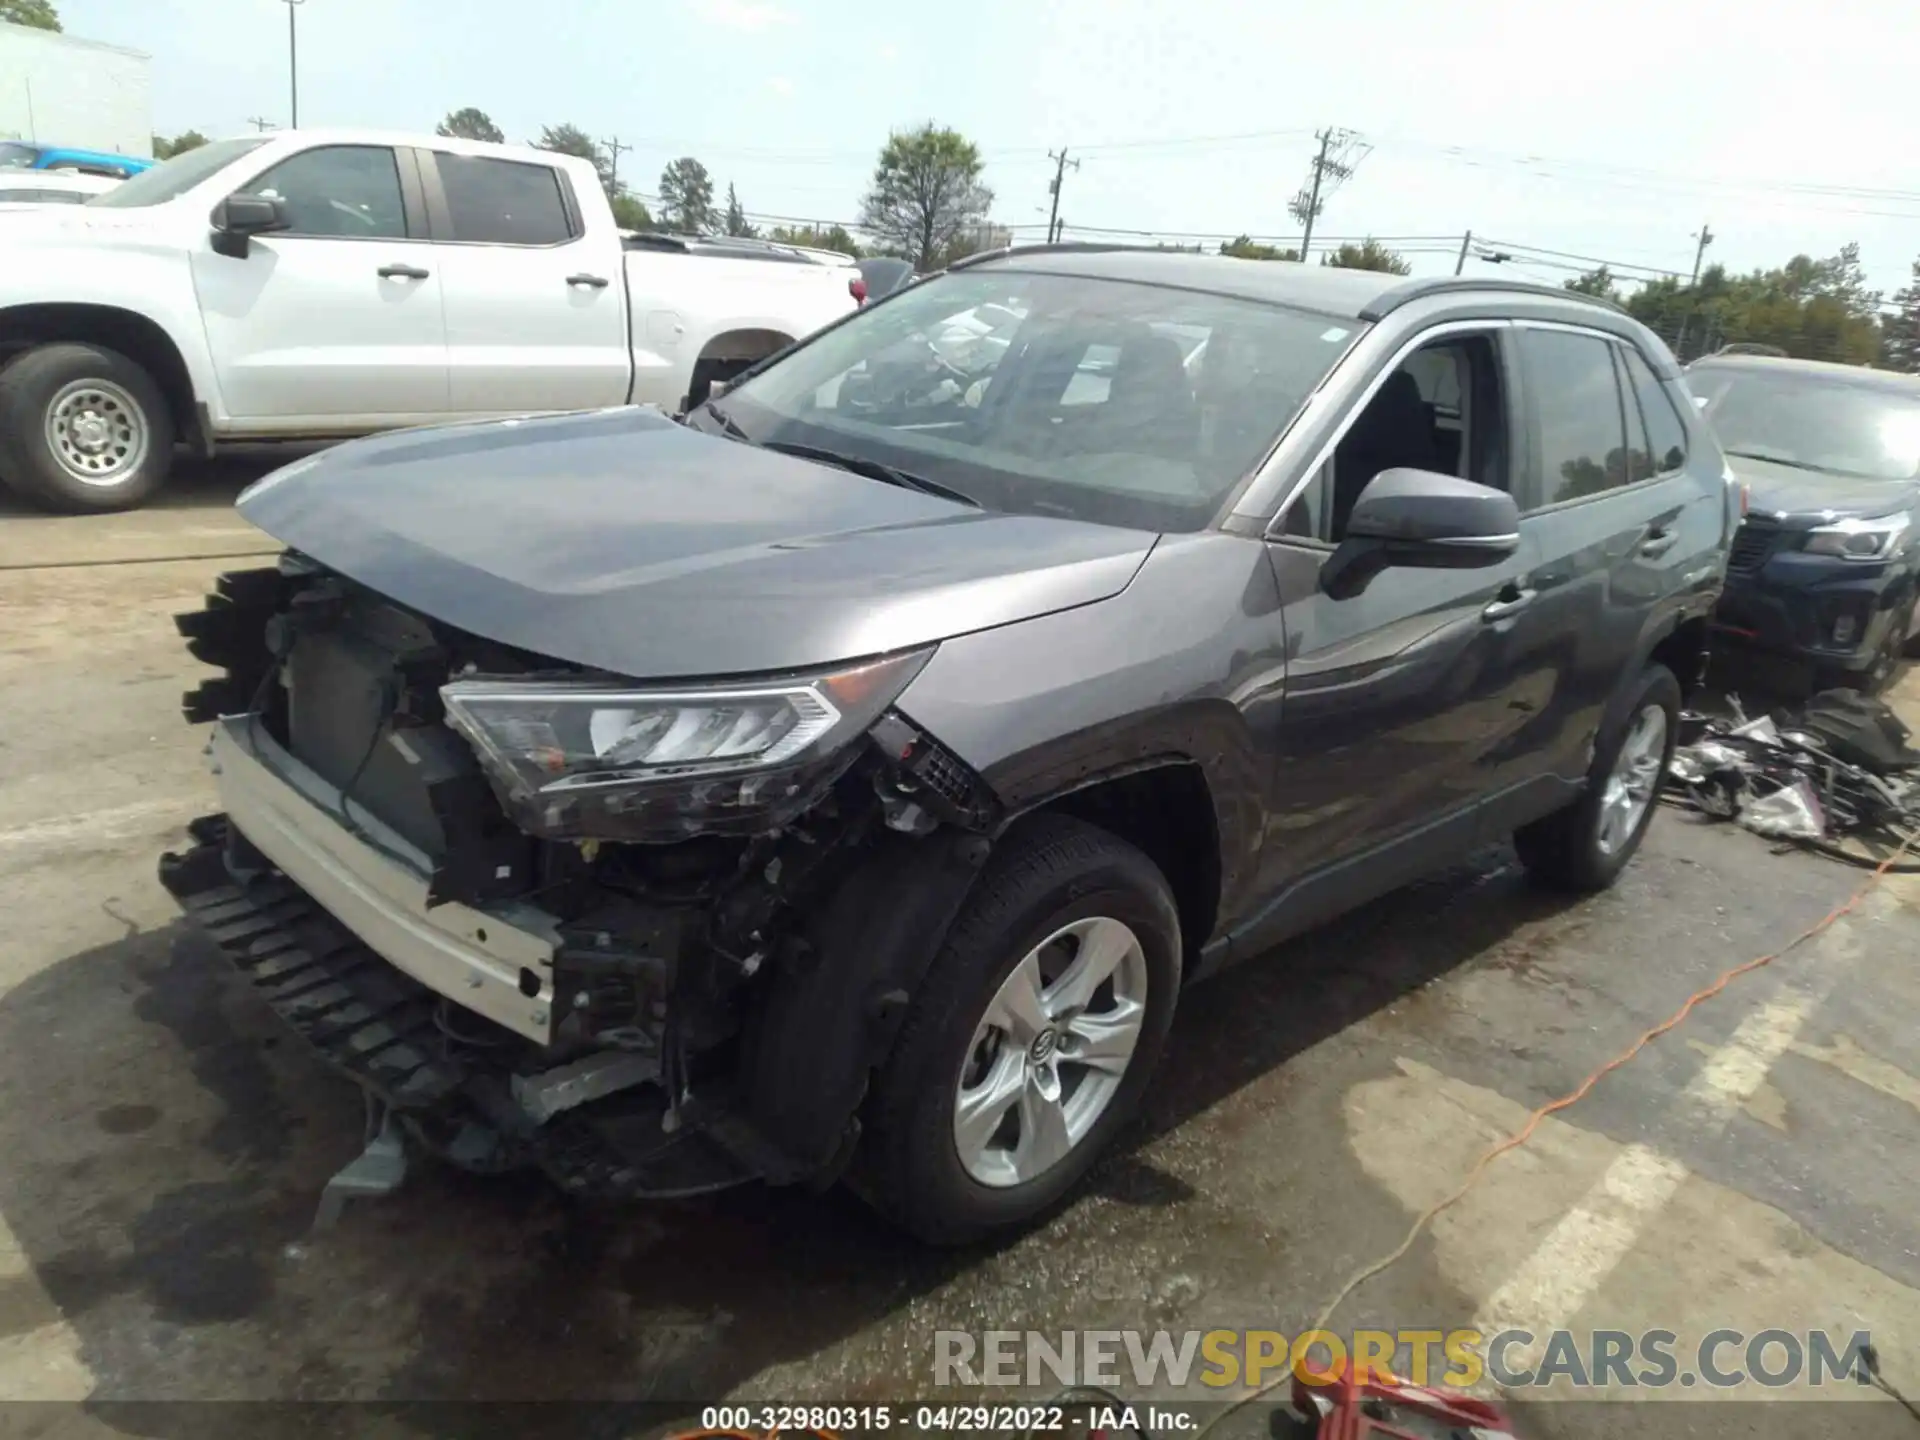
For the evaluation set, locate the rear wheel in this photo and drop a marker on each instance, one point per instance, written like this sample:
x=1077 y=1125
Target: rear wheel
x=83 y=428
x=1587 y=844
x=1030 y=1041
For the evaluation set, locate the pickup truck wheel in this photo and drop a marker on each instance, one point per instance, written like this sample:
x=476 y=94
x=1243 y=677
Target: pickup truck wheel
x=1586 y=845
x=1031 y=1039
x=83 y=428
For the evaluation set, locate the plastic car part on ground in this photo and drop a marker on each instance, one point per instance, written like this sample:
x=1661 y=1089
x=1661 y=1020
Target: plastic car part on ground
x=1839 y=769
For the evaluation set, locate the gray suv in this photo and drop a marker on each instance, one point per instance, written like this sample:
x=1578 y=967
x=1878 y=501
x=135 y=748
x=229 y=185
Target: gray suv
x=846 y=778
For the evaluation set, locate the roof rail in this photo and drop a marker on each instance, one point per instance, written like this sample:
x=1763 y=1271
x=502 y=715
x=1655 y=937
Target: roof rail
x=1057 y=247
x=1388 y=301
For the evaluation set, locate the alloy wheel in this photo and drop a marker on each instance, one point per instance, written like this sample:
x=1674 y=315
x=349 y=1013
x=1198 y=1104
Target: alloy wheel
x=1051 y=1051
x=1635 y=779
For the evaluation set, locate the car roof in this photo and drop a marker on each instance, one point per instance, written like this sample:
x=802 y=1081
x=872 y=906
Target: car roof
x=1823 y=370
x=1326 y=289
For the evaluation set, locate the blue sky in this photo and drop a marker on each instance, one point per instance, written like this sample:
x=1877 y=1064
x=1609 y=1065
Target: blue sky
x=1610 y=132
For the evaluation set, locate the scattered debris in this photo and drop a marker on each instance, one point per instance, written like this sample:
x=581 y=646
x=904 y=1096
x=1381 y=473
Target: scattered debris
x=1838 y=769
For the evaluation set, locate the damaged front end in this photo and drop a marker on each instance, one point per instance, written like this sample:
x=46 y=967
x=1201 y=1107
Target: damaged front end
x=650 y=938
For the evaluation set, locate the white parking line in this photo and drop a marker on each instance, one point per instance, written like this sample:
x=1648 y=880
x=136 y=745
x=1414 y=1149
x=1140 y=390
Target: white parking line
x=1590 y=1240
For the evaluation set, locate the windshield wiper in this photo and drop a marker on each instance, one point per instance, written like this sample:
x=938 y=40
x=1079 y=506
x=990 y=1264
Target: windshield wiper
x=727 y=422
x=872 y=469
x=1778 y=460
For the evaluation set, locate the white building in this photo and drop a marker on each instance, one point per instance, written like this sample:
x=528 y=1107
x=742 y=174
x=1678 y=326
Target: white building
x=60 y=90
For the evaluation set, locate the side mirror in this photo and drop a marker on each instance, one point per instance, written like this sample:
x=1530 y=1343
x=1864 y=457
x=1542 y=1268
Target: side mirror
x=1425 y=520
x=238 y=218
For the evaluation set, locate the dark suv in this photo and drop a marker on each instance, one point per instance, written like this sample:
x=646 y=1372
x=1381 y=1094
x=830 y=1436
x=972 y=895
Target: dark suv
x=1826 y=566
x=848 y=777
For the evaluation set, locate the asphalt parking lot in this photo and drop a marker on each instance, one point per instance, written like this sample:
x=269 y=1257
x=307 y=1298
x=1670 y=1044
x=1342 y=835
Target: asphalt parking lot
x=162 y=1144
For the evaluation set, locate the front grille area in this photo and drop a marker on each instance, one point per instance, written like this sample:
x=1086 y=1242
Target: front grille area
x=1753 y=542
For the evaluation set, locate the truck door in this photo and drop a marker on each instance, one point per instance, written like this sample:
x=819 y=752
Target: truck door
x=334 y=324
x=536 y=306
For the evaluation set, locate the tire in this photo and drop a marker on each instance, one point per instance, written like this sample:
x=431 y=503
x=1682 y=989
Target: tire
x=117 y=429
x=1051 y=876
x=1575 y=848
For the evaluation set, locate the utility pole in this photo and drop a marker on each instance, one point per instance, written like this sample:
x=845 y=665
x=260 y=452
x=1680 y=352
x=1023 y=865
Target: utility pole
x=1465 y=241
x=614 y=151
x=293 y=60
x=1053 y=188
x=1340 y=154
x=259 y=124
x=1313 y=195
x=1705 y=237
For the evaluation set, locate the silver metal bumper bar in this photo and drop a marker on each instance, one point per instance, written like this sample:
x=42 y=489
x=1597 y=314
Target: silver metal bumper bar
x=496 y=962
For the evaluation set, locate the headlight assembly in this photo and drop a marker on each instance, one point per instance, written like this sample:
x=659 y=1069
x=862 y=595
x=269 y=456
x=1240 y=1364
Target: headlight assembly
x=598 y=760
x=1860 y=539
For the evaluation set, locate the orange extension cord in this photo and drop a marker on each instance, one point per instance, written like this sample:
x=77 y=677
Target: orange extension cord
x=1572 y=1097
x=1493 y=1153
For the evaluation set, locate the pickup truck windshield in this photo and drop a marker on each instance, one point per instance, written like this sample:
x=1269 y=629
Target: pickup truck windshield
x=1864 y=432
x=173 y=178
x=1103 y=400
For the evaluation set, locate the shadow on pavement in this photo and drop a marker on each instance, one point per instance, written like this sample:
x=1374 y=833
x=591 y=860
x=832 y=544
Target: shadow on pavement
x=196 y=484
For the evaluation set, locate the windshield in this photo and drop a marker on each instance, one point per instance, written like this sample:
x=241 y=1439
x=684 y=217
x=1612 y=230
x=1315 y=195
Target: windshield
x=173 y=178
x=1103 y=400
x=15 y=156
x=1864 y=432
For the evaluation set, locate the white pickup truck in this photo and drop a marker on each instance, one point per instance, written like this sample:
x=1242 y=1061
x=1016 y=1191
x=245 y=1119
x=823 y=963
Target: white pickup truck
x=320 y=284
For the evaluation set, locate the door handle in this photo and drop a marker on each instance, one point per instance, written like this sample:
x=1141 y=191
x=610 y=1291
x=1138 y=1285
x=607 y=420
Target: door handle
x=402 y=272
x=1658 y=543
x=1507 y=605
x=592 y=282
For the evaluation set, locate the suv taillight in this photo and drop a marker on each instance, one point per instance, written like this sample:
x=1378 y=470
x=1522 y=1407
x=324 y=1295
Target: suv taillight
x=857 y=287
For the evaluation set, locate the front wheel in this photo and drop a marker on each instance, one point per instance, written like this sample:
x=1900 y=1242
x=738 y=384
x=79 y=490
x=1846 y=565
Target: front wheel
x=1586 y=845
x=1032 y=1038
x=83 y=428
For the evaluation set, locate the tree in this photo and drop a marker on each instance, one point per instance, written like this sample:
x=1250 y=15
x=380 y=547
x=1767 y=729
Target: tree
x=572 y=140
x=1595 y=282
x=686 y=198
x=165 y=149
x=1812 y=309
x=1245 y=247
x=38 y=14
x=1370 y=254
x=926 y=194
x=1901 y=341
x=629 y=213
x=814 y=237
x=736 y=221
x=473 y=123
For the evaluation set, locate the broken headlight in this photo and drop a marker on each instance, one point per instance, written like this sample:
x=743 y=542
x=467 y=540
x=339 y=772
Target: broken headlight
x=592 y=760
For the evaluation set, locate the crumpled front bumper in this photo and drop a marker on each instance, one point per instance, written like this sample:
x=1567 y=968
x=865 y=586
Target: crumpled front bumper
x=1791 y=604
x=334 y=934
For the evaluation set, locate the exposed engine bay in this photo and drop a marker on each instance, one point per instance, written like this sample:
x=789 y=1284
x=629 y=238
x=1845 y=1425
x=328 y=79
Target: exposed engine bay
x=687 y=883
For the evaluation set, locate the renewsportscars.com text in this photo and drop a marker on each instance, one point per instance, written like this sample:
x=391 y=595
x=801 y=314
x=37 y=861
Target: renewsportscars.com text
x=1459 y=1359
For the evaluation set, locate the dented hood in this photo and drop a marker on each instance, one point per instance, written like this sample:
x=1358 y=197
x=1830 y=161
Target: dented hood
x=622 y=541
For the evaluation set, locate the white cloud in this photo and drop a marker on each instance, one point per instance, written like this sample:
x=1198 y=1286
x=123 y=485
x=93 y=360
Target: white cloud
x=747 y=15
x=889 y=52
x=781 y=86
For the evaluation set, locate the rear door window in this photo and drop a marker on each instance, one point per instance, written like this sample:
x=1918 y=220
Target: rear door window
x=1578 y=424
x=1665 y=449
x=504 y=202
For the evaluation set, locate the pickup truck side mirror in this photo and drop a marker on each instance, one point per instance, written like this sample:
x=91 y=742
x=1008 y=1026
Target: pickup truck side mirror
x=238 y=218
x=1423 y=519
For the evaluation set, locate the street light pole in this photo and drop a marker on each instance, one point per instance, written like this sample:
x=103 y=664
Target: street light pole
x=293 y=60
